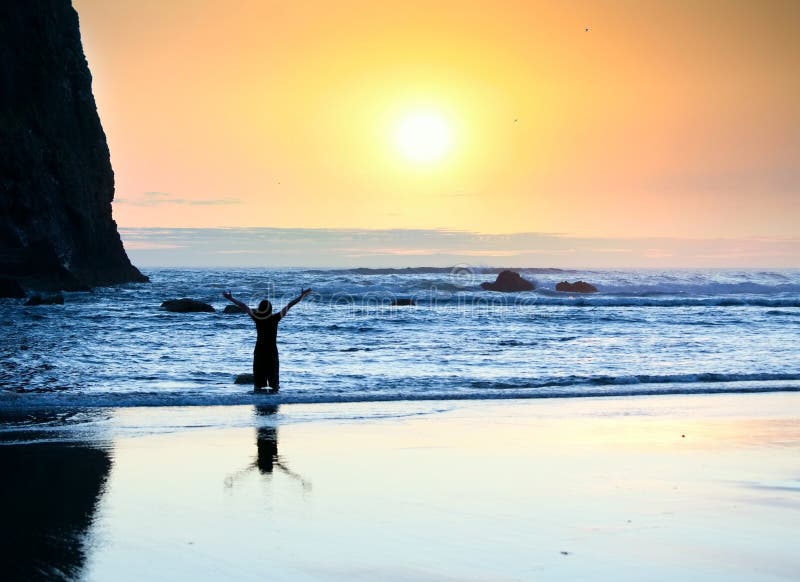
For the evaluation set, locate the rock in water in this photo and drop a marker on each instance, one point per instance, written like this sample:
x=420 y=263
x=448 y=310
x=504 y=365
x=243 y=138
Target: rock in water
x=11 y=288
x=56 y=181
x=243 y=379
x=186 y=305
x=576 y=287
x=507 y=282
x=56 y=299
x=233 y=309
x=403 y=302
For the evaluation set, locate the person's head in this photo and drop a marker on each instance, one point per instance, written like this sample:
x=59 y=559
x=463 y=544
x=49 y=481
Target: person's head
x=264 y=308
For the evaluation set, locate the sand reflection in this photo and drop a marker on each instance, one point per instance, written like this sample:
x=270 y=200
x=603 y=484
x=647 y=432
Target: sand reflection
x=267 y=457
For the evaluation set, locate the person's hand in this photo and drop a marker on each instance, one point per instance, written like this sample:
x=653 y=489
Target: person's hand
x=304 y=292
x=227 y=295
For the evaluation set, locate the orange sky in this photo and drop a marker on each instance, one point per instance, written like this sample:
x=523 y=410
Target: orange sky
x=676 y=119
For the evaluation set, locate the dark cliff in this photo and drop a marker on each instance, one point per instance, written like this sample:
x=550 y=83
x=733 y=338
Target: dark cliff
x=56 y=181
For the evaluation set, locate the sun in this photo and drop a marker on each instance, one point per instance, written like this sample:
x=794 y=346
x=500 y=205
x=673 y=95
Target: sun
x=423 y=136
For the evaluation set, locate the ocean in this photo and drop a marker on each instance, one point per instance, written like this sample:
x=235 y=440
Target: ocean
x=645 y=332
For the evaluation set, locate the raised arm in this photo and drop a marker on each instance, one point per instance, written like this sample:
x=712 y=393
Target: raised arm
x=295 y=301
x=227 y=295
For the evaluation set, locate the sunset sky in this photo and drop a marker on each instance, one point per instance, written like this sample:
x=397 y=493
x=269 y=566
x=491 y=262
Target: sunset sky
x=663 y=119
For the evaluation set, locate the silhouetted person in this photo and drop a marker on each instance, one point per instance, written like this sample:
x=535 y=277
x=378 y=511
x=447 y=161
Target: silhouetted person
x=265 y=356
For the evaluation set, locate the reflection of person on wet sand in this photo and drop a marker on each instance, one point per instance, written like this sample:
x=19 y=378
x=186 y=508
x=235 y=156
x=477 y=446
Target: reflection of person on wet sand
x=267 y=447
x=267 y=457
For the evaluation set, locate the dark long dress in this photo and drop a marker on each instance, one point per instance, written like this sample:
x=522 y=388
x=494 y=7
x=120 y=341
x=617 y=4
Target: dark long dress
x=265 y=355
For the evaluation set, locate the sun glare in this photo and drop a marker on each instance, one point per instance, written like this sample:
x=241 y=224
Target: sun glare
x=423 y=137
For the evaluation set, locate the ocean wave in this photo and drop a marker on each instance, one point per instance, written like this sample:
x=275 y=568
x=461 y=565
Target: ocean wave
x=422 y=288
x=568 y=387
x=627 y=380
x=705 y=288
x=446 y=297
x=435 y=270
x=447 y=285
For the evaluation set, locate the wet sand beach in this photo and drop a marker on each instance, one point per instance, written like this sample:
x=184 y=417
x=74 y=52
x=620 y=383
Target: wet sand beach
x=658 y=488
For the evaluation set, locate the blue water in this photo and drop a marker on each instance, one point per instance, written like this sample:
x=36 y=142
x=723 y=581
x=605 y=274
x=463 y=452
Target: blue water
x=646 y=332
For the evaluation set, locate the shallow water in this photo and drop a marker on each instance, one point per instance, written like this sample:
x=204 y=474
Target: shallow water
x=645 y=332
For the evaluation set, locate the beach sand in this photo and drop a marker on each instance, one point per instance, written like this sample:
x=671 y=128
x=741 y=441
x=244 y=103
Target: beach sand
x=648 y=488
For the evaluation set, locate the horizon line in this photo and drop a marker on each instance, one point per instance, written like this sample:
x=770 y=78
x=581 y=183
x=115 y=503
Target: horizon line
x=554 y=234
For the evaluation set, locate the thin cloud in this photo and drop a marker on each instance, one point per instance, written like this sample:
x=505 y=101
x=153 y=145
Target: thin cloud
x=160 y=198
x=149 y=246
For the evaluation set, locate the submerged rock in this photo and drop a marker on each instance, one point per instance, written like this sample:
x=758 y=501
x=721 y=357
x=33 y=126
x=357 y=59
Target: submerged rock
x=11 y=288
x=243 y=379
x=56 y=299
x=576 y=287
x=508 y=282
x=186 y=305
x=233 y=309
x=403 y=302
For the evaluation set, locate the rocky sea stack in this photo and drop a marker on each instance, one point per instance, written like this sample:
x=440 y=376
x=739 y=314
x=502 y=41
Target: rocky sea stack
x=509 y=282
x=56 y=181
x=576 y=287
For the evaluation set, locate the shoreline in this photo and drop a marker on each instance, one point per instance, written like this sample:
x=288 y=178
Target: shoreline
x=32 y=401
